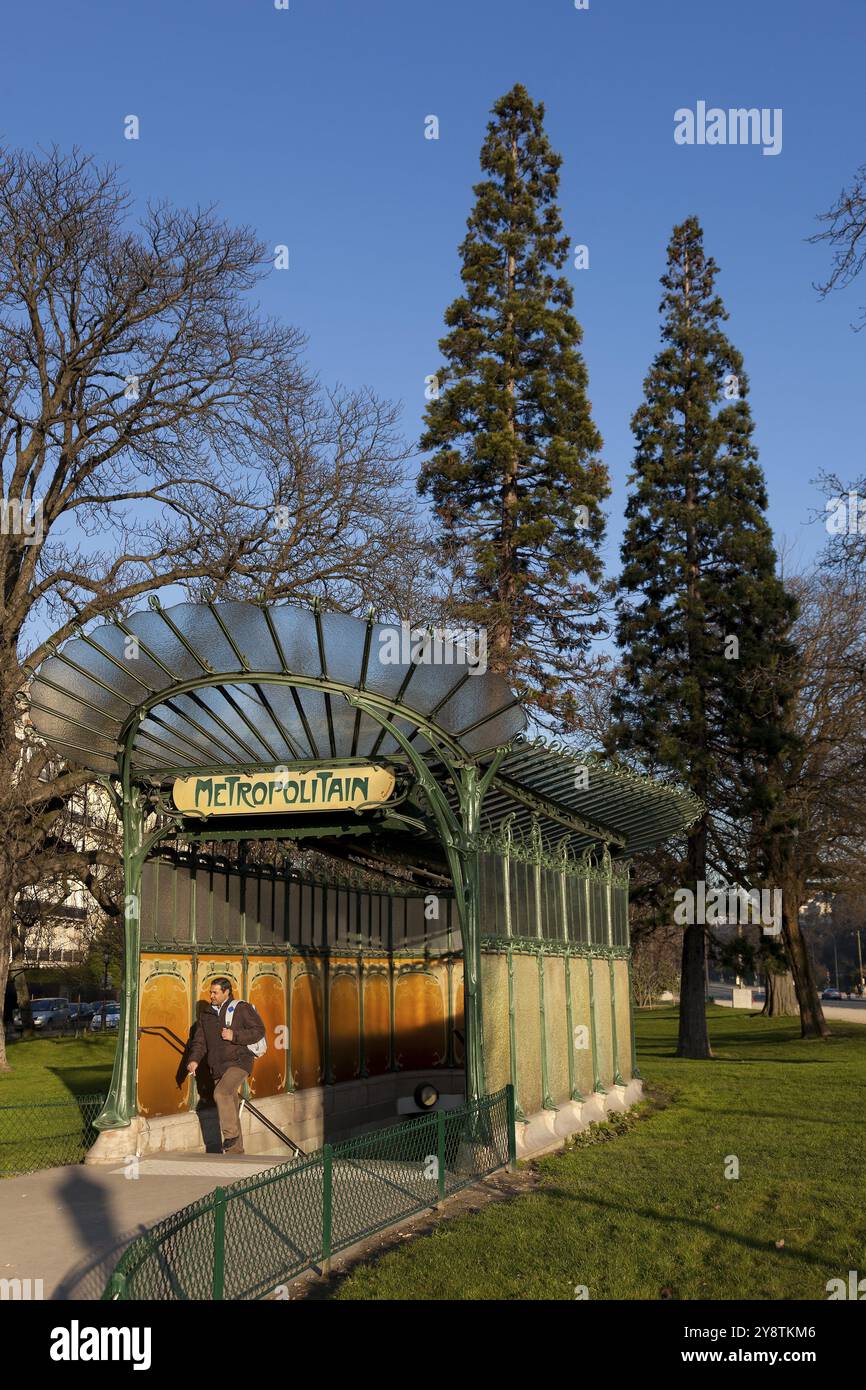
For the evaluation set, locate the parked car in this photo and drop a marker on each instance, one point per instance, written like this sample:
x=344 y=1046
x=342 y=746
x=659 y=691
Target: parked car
x=112 y=1018
x=50 y=1013
x=80 y=1013
x=832 y=994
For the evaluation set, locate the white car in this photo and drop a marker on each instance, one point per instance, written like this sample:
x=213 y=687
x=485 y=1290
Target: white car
x=112 y=1018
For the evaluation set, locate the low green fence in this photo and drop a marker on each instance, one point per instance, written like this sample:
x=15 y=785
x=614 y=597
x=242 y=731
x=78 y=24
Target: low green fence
x=46 y=1135
x=244 y=1240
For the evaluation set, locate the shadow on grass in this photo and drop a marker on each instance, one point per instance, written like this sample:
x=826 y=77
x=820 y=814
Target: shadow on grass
x=803 y=1257
x=83 y=1081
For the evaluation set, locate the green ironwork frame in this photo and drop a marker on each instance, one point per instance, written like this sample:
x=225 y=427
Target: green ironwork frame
x=459 y=833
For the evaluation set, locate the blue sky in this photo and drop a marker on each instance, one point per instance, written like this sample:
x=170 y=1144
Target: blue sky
x=308 y=123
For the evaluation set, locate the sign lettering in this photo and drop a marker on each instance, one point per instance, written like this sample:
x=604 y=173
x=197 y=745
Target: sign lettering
x=284 y=790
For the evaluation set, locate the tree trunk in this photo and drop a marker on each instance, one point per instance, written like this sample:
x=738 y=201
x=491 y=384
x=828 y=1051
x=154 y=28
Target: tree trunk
x=503 y=635
x=780 y=1000
x=812 y=1021
x=22 y=989
x=694 y=1040
x=5 y=957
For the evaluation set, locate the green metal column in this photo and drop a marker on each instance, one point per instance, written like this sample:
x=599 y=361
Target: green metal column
x=635 y=1071
x=459 y=835
x=590 y=964
x=363 y=1073
x=617 y=1075
x=290 y=1084
x=219 y=1244
x=547 y=1100
x=511 y=1115
x=121 y=1102
x=569 y=1009
x=471 y=930
x=327 y=1069
x=608 y=898
x=327 y=1207
x=505 y=861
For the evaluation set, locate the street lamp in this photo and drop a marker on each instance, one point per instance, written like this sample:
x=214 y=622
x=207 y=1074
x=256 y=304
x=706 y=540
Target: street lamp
x=106 y=956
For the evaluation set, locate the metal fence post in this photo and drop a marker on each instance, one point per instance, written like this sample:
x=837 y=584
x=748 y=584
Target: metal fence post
x=327 y=1206
x=116 y=1287
x=219 y=1243
x=440 y=1152
x=510 y=1124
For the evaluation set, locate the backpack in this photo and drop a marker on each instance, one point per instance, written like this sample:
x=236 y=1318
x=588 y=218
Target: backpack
x=258 y=1049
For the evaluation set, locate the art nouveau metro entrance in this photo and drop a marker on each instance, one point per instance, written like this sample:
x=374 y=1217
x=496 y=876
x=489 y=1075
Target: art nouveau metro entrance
x=361 y=838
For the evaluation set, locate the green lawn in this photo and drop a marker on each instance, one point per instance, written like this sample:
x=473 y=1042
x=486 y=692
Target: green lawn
x=39 y=1132
x=57 y=1068
x=651 y=1214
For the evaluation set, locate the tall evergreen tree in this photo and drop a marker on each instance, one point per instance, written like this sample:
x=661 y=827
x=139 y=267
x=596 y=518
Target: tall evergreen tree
x=514 y=476
x=701 y=609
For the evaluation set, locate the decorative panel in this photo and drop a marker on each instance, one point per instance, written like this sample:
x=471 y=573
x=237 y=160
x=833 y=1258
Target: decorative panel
x=345 y=1020
x=308 y=1045
x=420 y=1038
x=266 y=991
x=377 y=1018
x=164 y=1018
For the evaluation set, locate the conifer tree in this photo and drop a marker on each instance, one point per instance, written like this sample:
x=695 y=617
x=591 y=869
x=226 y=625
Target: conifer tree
x=514 y=476
x=701 y=609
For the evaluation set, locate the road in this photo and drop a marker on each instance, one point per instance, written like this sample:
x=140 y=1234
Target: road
x=854 y=1010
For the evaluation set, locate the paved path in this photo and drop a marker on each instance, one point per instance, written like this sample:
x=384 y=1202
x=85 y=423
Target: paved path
x=69 y=1226
x=851 y=1010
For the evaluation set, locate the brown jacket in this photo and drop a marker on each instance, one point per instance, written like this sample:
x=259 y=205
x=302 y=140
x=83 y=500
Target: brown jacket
x=247 y=1027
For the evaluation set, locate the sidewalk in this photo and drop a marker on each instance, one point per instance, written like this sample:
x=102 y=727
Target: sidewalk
x=69 y=1226
x=853 y=1011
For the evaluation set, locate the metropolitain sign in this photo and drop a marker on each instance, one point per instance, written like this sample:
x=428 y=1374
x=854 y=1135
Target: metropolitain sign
x=282 y=789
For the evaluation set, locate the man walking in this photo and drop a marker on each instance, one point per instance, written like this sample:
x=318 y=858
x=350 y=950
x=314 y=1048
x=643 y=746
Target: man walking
x=228 y=1054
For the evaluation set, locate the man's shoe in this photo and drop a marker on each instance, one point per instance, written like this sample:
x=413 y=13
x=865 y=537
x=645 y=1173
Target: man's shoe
x=233 y=1146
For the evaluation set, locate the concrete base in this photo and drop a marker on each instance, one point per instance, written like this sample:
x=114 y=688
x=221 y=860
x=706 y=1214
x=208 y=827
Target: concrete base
x=321 y=1114
x=547 y=1130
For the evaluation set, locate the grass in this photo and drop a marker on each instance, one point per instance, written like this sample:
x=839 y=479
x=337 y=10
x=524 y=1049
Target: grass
x=40 y=1132
x=57 y=1068
x=651 y=1215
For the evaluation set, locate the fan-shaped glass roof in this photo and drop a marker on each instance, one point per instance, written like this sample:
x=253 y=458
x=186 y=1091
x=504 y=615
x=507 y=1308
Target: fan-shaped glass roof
x=205 y=686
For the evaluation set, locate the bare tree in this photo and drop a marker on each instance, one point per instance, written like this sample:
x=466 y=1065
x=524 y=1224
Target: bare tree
x=814 y=832
x=845 y=232
x=157 y=433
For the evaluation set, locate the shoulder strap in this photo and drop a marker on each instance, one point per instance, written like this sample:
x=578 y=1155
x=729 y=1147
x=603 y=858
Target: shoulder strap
x=230 y=1010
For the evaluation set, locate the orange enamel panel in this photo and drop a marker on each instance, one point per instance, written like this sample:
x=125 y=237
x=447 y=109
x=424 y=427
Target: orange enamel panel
x=419 y=1020
x=266 y=991
x=164 y=1015
x=212 y=967
x=345 y=1024
x=307 y=1031
x=377 y=1021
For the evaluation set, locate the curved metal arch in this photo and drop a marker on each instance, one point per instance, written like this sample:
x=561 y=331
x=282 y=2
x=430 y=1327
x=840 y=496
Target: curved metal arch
x=433 y=733
x=86 y=693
